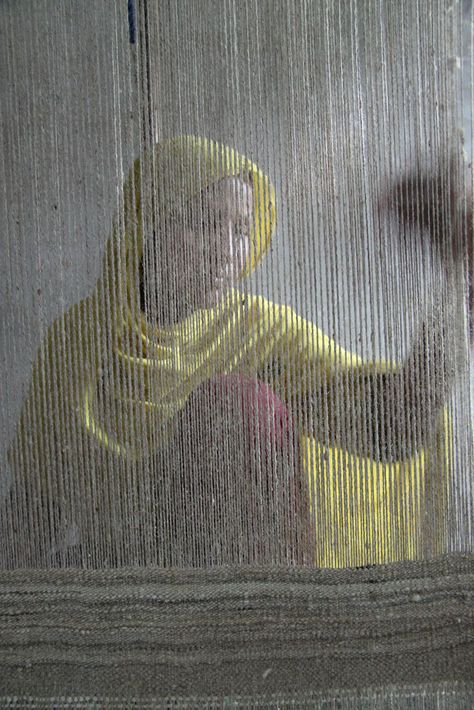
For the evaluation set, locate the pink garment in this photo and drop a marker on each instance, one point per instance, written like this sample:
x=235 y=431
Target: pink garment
x=263 y=412
x=238 y=464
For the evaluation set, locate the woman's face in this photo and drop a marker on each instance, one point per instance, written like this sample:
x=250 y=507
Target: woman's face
x=223 y=238
x=201 y=254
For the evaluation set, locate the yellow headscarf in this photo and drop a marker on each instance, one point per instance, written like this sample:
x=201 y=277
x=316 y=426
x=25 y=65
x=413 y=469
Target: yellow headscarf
x=172 y=361
x=134 y=377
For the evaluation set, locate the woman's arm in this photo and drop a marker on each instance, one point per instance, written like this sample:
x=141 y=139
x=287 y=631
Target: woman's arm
x=386 y=416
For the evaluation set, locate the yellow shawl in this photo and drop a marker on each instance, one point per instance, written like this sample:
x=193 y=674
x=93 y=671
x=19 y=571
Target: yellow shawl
x=122 y=379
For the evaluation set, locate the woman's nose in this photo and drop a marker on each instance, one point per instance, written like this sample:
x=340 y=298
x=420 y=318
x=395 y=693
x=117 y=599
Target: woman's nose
x=229 y=252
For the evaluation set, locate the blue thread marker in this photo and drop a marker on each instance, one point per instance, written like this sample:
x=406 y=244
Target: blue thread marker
x=131 y=21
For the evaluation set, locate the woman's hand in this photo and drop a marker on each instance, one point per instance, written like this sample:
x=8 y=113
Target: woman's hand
x=437 y=203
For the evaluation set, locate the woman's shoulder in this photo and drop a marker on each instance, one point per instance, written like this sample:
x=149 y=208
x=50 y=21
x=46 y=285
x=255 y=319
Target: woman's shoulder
x=63 y=355
x=73 y=335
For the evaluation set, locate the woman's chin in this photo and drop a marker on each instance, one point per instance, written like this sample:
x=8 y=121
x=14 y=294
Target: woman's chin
x=213 y=297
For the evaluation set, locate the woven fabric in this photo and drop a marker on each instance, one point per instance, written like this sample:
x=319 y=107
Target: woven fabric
x=236 y=632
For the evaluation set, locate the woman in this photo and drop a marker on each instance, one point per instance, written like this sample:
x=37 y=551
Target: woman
x=173 y=420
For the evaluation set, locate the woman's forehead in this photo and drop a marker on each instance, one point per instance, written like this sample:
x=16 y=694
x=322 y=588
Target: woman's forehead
x=231 y=195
